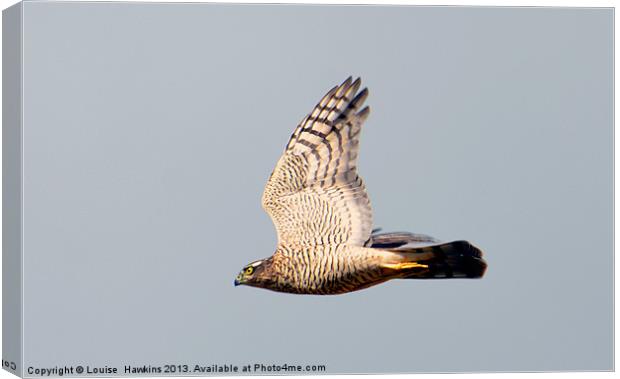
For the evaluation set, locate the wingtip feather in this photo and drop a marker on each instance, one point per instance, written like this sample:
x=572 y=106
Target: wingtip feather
x=363 y=114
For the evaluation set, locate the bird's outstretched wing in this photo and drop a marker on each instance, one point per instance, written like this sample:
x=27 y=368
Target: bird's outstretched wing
x=314 y=195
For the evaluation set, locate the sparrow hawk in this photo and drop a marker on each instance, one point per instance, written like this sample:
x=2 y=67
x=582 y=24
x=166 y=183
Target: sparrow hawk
x=323 y=218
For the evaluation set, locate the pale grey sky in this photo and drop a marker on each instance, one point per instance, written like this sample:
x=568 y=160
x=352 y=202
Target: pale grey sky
x=151 y=129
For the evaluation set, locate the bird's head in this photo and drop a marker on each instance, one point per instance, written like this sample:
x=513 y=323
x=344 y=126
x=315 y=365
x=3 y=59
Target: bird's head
x=254 y=274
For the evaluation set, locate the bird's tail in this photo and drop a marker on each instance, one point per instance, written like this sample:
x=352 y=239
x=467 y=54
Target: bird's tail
x=458 y=259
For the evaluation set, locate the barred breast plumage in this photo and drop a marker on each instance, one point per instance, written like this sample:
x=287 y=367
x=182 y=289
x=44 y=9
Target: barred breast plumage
x=322 y=214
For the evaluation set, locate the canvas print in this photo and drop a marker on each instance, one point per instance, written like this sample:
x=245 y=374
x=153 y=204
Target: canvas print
x=202 y=189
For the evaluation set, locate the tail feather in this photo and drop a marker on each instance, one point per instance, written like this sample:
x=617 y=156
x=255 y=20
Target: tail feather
x=458 y=259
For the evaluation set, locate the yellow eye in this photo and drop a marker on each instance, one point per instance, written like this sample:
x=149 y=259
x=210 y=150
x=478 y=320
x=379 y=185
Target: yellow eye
x=249 y=270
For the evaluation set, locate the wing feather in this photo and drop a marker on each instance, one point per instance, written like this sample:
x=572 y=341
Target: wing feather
x=314 y=195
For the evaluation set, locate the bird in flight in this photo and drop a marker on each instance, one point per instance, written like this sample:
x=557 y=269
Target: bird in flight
x=323 y=218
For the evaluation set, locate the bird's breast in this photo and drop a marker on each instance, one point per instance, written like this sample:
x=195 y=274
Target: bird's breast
x=327 y=269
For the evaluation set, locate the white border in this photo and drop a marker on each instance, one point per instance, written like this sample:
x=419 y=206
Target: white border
x=539 y=3
x=482 y=3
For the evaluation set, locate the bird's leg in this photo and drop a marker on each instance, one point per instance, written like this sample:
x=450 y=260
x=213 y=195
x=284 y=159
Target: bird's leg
x=403 y=264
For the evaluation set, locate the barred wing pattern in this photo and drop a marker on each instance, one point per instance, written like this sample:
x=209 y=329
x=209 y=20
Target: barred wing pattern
x=314 y=195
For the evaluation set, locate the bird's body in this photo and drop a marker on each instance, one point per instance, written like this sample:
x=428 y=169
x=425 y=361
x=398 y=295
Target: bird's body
x=324 y=269
x=323 y=218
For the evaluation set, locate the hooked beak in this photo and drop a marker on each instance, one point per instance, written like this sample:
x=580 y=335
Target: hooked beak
x=237 y=282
